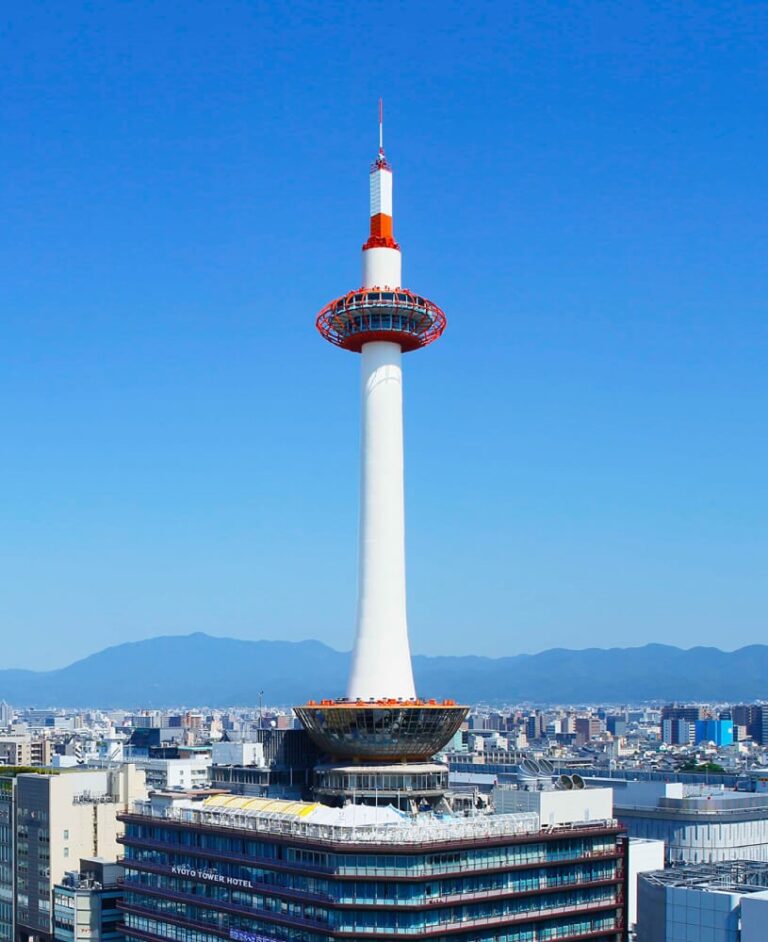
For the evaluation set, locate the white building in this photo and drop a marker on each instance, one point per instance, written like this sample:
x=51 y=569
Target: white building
x=555 y=806
x=176 y=773
x=644 y=857
x=698 y=823
x=237 y=753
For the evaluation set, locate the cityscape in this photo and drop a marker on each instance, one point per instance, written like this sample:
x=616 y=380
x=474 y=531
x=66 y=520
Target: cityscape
x=199 y=787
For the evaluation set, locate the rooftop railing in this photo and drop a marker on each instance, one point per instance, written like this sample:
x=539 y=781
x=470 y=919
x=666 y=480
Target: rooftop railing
x=420 y=829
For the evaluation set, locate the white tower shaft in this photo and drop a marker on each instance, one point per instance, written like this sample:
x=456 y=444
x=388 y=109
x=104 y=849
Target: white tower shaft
x=381 y=662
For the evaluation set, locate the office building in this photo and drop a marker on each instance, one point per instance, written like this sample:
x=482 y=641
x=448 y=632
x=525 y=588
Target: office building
x=691 y=714
x=587 y=728
x=60 y=818
x=183 y=774
x=678 y=732
x=719 y=732
x=6 y=714
x=7 y=855
x=723 y=902
x=698 y=823
x=85 y=903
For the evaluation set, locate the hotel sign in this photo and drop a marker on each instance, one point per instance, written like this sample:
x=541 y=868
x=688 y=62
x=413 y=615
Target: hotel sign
x=211 y=876
x=240 y=935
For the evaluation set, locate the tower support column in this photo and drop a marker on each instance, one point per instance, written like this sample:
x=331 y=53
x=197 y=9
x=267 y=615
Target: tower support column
x=381 y=664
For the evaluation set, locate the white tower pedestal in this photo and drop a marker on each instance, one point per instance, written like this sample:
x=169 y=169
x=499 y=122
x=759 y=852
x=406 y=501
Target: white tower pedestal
x=381 y=665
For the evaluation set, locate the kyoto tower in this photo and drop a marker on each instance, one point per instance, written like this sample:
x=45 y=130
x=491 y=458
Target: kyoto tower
x=381 y=716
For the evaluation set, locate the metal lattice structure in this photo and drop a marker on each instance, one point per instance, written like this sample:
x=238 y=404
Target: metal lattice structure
x=417 y=829
x=736 y=876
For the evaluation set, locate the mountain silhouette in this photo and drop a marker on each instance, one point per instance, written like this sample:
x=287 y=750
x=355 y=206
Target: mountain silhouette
x=200 y=670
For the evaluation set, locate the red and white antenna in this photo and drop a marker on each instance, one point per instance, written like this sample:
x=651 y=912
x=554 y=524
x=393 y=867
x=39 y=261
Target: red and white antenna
x=381 y=127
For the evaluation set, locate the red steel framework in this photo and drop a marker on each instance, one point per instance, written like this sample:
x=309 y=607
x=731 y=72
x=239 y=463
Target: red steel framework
x=392 y=314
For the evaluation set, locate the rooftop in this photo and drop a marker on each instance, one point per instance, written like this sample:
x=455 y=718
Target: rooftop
x=358 y=824
x=728 y=876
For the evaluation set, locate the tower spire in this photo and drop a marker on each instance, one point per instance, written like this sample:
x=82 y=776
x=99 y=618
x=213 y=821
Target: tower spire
x=381 y=127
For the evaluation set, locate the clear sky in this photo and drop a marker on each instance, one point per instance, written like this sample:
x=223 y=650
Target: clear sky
x=582 y=186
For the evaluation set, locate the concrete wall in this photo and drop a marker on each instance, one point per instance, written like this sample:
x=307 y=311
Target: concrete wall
x=754 y=917
x=557 y=807
x=644 y=856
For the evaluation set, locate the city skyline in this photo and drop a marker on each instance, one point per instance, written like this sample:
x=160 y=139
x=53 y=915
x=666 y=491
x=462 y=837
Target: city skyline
x=580 y=189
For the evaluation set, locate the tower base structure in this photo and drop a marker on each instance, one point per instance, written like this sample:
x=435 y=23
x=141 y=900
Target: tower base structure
x=410 y=787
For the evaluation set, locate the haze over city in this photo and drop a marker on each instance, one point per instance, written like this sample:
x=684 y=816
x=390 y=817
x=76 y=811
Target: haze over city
x=581 y=188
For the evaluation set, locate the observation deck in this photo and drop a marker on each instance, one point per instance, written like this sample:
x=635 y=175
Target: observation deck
x=391 y=314
x=381 y=730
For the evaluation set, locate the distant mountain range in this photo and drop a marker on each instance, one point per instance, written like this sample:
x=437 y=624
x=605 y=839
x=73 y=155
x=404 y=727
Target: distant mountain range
x=200 y=670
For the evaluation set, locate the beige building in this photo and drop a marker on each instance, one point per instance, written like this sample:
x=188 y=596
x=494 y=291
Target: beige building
x=59 y=819
x=25 y=750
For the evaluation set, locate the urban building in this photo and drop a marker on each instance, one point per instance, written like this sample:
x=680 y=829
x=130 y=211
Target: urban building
x=85 y=903
x=19 y=750
x=248 y=868
x=183 y=774
x=7 y=855
x=723 y=902
x=698 y=823
x=750 y=717
x=6 y=714
x=719 y=732
x=59 y=818
x=691 y=714
x=678 y=732
x=587 y=728
x=644 y=856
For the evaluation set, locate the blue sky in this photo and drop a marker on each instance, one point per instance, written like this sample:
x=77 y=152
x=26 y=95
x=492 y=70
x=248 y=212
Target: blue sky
x=581 y=186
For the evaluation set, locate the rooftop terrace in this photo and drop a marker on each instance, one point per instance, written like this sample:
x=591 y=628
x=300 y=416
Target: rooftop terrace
x=358 y=824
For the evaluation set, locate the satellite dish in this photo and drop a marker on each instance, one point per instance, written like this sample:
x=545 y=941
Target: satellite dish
x=546 y=767
x=578 y=782
x=565 y=782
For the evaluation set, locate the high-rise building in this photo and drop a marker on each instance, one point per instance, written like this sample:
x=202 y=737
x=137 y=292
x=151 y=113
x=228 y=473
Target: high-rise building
x=720 y=732
x=58 y=818
x=7 y=855
x=678 y=732
x=674 y=711
x=750 y=716
x=587 y=727
x=6 y=714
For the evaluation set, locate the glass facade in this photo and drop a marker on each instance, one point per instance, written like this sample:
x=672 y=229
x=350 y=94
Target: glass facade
x=7 y=787
x=194 y=883
x=381 y=732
